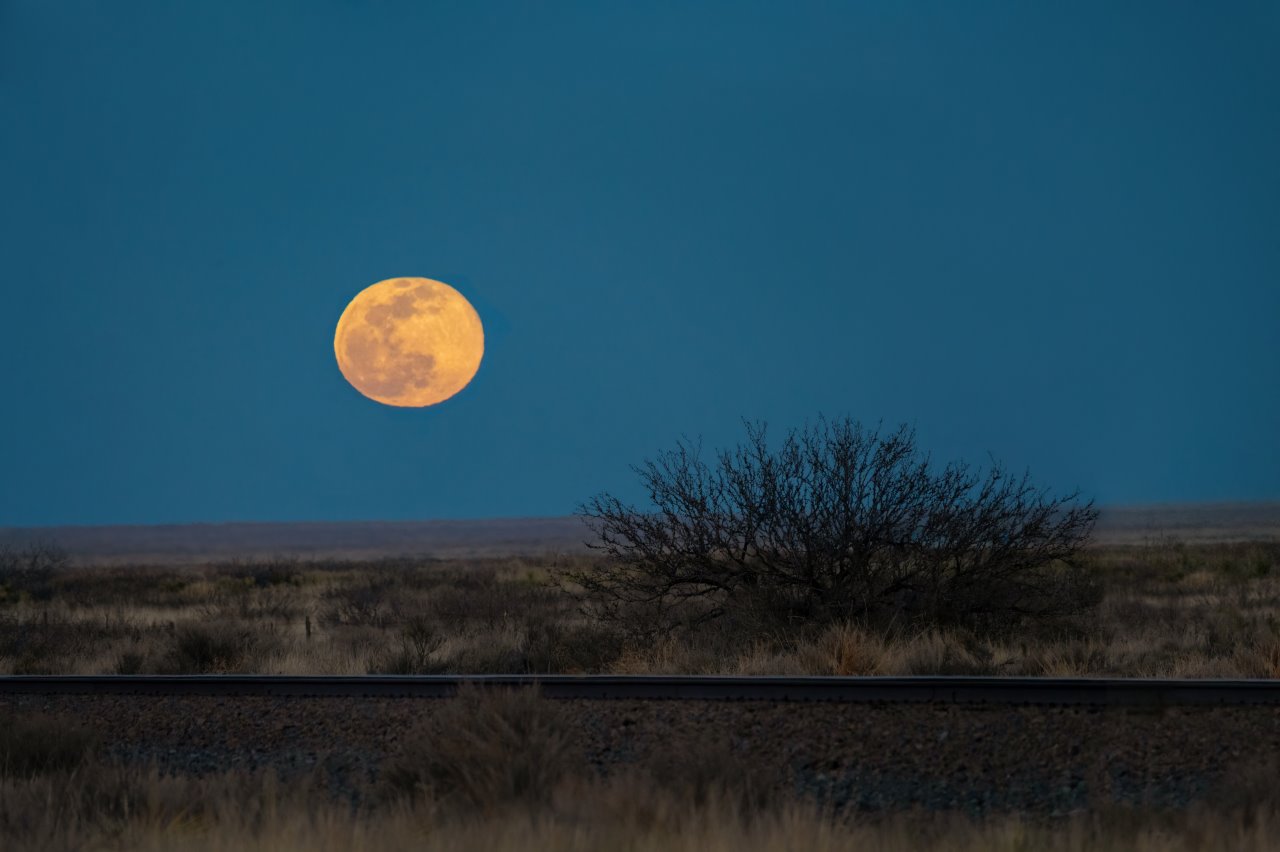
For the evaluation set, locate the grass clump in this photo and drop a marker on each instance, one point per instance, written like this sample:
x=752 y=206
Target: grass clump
x=212 y=649
x=487 y=748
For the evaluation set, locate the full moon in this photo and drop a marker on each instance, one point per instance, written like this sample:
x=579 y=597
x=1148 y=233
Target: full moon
x=409 y=342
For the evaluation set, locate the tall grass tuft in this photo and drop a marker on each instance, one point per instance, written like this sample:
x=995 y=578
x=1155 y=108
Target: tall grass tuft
x=485 y=749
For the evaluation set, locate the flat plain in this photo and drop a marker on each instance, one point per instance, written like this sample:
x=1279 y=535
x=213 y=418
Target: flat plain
x=194 y=544
x=1183 y=595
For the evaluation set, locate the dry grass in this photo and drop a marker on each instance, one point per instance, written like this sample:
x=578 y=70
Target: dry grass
x=1169 y=610
x=488 y=749
x=145 y=811
x=682 y=799
x=495 y=774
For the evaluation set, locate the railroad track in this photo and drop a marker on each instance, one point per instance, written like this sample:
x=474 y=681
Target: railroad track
x=950 y=690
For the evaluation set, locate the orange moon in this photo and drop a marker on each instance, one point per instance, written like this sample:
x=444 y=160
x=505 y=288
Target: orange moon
x=409 y=342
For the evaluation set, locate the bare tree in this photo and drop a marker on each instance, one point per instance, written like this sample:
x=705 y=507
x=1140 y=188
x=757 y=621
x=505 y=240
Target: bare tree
x=837 y=522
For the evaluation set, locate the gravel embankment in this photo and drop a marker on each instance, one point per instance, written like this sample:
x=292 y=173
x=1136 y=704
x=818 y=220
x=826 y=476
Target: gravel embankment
x=875 y=757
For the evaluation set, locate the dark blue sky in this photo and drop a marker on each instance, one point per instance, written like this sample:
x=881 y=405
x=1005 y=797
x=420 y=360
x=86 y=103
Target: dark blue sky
x=1051 y=234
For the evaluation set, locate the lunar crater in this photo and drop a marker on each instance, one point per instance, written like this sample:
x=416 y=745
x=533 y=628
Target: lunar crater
x=409 y=342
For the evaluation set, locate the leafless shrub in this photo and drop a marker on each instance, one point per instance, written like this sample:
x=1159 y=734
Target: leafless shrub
x=485 y=600
x=213 y=648
x=263 y=573
x=552 y=646
x=29 y=570
x=128 y=585
x=364 y=605
x=419 y=641
x=838 y=523
x=40 y=643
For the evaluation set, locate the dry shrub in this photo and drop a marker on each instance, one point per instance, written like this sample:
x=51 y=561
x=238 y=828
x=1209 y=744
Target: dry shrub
x=40 y=643
x=538 y=644
x=367 y=604
x=214 y=648
x=551 y=646
x=30 y=571
x=483 y=749
x=419 y=642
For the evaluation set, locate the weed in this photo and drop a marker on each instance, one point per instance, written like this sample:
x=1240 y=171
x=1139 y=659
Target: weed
x=484 y=749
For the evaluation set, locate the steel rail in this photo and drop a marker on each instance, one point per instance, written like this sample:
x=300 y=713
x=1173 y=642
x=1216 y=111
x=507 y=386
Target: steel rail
x=949 y=690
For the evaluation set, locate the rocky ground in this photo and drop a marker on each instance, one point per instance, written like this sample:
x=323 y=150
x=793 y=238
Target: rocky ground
x=872 y=757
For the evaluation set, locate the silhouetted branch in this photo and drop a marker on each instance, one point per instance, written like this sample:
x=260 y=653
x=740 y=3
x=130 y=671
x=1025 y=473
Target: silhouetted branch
x=836 y=522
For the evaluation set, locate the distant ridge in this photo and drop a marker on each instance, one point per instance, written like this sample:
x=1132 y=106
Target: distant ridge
x=1189 y=522
x=499 y=537
x=201 y=543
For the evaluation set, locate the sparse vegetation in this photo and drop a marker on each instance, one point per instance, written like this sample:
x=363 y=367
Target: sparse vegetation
x=27 y=572
x=488 y=749
x=1166 y=609
x=495 y=774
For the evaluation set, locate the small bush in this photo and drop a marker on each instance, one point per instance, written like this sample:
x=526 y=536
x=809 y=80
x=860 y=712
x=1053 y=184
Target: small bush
x=364 y=605
x=483 y=749
x=208 y=649
x=30 y=571
x=552 y=647
x=419 y=641
x=39 y=644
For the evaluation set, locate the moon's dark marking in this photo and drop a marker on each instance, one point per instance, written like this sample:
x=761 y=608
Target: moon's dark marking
x=382 y=352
